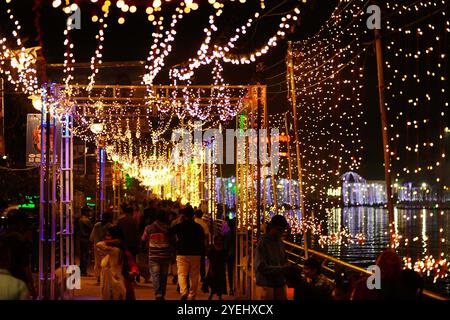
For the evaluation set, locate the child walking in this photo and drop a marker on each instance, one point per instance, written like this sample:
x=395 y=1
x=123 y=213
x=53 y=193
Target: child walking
x=216 y=277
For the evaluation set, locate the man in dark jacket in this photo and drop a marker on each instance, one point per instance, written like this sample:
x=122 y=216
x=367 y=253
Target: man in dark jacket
x=271 y=262
x=190 y=246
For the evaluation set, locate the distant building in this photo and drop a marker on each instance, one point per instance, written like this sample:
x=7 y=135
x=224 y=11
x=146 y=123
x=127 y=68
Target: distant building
x=357 y=191
x=354 y=191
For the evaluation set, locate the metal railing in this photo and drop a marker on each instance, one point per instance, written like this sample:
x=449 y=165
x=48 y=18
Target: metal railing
x=296 y=254
x=295 y=251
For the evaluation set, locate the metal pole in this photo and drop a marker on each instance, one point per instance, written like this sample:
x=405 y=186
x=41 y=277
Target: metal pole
x=213 y=180
x=258 y=166
x=384 y=130
x=66 y=201
x=70 y=227
x=297 y=143
x=54 y=202
x=101 y=179
x=222 y=191
x=62 y=206
x=85 y=151
x=2 y=117
x=237 y=221
x=46 y=217
x=291 y=192
x=262 y=98
x=43 y=207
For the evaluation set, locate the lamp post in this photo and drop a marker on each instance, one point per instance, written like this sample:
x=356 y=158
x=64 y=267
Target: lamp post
x=384 y=131
x=97 y=129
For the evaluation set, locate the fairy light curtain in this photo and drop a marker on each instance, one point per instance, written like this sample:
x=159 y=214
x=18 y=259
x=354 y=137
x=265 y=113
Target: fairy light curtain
x=330 y=86
x=416 y=54
x=328 y=74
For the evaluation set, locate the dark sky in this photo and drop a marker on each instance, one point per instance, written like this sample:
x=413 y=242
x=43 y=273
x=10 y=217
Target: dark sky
x=131 y=41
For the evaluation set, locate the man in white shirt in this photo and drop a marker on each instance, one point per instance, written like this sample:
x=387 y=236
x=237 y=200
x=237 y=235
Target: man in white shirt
x=10 y=288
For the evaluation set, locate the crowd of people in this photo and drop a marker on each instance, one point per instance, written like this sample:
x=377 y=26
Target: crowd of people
x=162 y=238
x=16 y=276
x=151 y=242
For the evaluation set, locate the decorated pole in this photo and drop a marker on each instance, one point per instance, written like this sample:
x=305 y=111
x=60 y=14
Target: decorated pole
x=258 y=167
x=262 y=98
x=384 y=131
x=2 y=117
x=48 y=201
x=291 y=191
x=101 y=159
x=297 y=143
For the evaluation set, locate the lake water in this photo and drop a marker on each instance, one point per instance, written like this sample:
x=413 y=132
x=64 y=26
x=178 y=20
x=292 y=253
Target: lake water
x=427 y=232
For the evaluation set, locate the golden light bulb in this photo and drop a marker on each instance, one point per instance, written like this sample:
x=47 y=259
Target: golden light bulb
x=56 y=3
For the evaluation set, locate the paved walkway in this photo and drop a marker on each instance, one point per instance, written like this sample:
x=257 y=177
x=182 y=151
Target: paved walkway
x=90 y=290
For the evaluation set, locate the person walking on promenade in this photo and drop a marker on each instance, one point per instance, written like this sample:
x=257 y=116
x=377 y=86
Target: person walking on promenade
x=159 y=252
x=85 y=229
x=176 y=217
x=216 y=278
x=199 y=219
x=118 y=267
x=130 y=231
x=98 y=234
x=190 y=241
x=271 y=262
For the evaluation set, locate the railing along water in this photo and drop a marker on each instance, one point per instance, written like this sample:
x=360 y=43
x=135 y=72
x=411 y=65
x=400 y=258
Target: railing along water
x=294 y=251
x=296 y=256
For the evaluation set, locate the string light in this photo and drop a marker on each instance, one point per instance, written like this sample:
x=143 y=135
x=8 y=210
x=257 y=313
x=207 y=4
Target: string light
x=330 y=118
x=207 y=56
x=96 y=59
x=68 y=59
x=18 y=65
x=159 y=51
x=417 y=153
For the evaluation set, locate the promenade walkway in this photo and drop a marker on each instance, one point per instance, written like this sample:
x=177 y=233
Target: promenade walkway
x=90 y=290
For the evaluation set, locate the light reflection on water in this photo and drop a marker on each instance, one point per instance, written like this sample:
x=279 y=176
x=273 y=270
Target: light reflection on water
x=420 y=226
